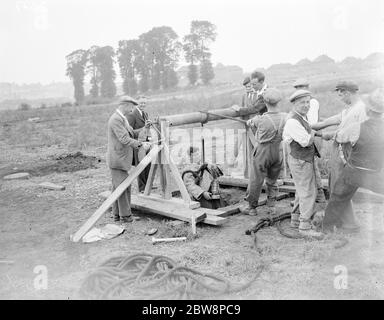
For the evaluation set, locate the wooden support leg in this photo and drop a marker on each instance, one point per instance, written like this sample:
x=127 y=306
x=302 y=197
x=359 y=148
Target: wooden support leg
x=151 y=179
x=164 y=164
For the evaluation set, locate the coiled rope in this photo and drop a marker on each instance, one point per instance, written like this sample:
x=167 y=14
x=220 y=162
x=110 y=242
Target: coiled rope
x=145 y=276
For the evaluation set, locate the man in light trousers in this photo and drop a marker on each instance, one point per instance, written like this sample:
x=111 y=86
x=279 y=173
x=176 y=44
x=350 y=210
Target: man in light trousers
x=299 y=136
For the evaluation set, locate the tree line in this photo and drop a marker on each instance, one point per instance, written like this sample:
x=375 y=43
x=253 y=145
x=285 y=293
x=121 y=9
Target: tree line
x=145 y=64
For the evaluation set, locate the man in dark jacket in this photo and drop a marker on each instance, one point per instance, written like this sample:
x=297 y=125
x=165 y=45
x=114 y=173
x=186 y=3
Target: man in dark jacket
x=138 y=119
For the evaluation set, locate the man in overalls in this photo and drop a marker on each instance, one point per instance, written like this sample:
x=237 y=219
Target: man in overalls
x=267 y=161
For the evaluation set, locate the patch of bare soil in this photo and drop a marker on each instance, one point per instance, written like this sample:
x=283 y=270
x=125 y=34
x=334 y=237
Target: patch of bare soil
x=69 y=162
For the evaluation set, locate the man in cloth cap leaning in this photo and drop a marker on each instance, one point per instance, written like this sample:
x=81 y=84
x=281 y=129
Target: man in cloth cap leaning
x=365 y=162
x=355 y=112
x=122 y=140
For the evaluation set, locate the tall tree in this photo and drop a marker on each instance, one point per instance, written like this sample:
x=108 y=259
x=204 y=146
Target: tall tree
x=107 y=72
x=191 y=54
x=76 y=62
x=128 y=54
x=196 y=48
x=161 y=53
x=93 y=70
x=206 y=71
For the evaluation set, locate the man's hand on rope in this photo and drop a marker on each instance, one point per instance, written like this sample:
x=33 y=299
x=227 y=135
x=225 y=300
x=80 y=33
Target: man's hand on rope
x=146 y=146
x=235 y=107
x=207 y=195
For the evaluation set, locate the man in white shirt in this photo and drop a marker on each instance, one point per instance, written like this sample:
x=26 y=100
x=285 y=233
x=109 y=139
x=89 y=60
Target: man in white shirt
x=313 y=117
x=299 y=136
x=354 y=113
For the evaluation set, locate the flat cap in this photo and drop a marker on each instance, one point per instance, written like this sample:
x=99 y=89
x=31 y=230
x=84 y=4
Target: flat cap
x=124 y=99
x=299 y=94
x=347 y=85
x=272 y=95
x=376 y=101
x=246 y=81
x=301 y=82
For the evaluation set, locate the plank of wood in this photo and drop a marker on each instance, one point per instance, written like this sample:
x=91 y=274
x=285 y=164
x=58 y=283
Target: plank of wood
x=215 y=220
x=133 y=174
x=157 y=197
x=289 y=182
x=51 y=186
x=151 y=178
x=19 y=175
x=171 y=210
x=176 y=175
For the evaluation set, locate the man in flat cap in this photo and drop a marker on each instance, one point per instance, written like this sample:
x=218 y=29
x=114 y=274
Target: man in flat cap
x=267 y=162
x=122 y=140
x=299 y=136
x=364 y=165
x=355 y=112
x=138 y=119
x=313 y=117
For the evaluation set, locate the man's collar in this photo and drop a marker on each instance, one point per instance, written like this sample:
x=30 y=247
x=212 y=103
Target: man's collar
x=304 y=118
x=140 y=111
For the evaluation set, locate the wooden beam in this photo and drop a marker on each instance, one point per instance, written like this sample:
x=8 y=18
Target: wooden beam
x=157 y=197
x=170 y=209
x=176 y=175
x=133 y=174
x=151 y=179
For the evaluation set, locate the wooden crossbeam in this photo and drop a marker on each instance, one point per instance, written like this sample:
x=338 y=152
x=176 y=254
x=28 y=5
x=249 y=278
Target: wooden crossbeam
x=133 y=174
x=167 y=208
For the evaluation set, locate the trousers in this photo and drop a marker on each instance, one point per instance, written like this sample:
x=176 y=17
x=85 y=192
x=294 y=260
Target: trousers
x=303 y=174
x=266 y=165
x=340 y=207
x=122 y=206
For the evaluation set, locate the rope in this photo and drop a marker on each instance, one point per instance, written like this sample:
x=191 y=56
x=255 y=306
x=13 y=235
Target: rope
x=150 y=277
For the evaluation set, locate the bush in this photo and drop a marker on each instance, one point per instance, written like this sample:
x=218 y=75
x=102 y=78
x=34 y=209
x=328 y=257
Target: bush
x=25 y=106
x=43 y=106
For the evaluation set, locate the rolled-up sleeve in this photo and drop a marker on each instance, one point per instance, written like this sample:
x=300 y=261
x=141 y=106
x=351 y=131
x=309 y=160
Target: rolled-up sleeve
x=294 y=131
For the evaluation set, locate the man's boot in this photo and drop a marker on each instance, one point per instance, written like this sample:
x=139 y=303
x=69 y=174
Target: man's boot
x=305 y=229
x=250 y=210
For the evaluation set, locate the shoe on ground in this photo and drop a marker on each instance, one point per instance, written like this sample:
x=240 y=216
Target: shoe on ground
x=126 y=219
x=252 y=212
x=247 y=209
x=116 y=218
x=310 y=233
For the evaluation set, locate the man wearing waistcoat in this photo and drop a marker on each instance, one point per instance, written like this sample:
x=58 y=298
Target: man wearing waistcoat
x=121 y=143
x=299 y=136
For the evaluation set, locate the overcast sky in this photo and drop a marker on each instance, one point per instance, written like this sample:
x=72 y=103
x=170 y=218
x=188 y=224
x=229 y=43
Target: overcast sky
x=36 y=35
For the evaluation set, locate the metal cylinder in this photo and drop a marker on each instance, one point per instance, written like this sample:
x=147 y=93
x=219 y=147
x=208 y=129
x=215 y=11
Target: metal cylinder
x=200 y=117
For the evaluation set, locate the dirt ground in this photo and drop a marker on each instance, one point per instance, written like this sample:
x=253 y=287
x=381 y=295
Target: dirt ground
x=36 y=224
